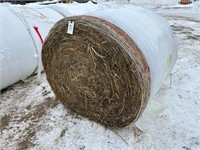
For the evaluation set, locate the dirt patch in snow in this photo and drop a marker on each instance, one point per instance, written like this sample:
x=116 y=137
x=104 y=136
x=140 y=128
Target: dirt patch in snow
x=181 y=28
x=5 y=121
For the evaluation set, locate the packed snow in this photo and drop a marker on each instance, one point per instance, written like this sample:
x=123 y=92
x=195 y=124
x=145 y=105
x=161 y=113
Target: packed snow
x=32 y=118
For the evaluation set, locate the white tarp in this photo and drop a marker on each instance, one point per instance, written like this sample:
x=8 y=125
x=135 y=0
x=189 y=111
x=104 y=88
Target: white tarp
x=43 y=18
x=74 y=8
x=17 y=49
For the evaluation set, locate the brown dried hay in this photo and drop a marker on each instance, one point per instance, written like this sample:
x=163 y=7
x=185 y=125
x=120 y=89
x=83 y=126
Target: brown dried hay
x=65 y=1
x=98 y=72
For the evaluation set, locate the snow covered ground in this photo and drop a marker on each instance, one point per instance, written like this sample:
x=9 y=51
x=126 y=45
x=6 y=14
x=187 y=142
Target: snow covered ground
x=31 y=117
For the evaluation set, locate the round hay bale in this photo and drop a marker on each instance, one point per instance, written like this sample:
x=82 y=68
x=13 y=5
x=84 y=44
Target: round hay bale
x=98 y=71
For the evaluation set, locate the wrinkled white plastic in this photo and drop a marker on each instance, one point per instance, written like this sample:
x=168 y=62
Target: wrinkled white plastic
x=74 y=8
x=20 y=45
x=151 y=33
x=43 y=18
x=16 y=49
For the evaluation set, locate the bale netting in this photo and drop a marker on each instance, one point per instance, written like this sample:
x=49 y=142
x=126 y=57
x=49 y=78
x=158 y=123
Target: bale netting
x=104 y=70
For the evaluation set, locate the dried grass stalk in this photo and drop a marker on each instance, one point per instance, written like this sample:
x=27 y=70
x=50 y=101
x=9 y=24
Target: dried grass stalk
x=98 y=72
